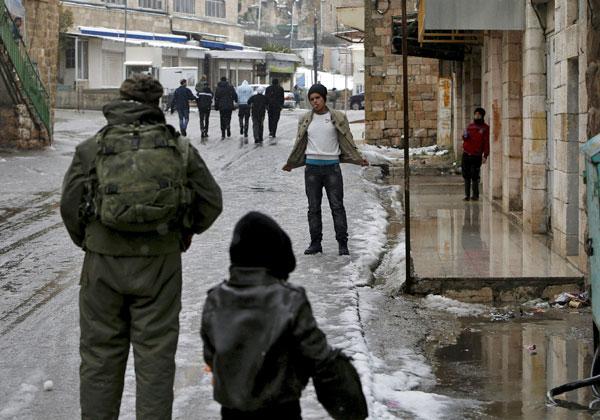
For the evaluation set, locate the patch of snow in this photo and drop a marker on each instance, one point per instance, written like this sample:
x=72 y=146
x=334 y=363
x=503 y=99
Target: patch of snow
x=454 y=307
x=393 y=268
x=19 y=401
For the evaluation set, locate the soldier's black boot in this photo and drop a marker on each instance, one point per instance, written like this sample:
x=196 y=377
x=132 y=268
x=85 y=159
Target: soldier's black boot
x=313 y=248
x=343 y=248
x=222 y=134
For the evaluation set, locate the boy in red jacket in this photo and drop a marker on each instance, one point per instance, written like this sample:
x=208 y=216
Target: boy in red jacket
x=476 y=148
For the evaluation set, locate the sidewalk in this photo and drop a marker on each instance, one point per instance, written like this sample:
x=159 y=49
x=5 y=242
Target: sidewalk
x=473 y=251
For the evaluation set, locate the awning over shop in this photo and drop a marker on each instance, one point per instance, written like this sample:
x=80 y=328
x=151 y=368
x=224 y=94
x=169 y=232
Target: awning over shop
x=216 y=45
x=118 y=33
x=144 y=39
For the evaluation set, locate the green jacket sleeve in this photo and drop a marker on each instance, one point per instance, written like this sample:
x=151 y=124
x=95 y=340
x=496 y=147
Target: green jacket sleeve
x=71 y=201
x=207 y=202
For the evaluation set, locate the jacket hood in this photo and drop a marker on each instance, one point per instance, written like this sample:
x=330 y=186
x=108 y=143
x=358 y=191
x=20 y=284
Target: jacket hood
x=127 y=111
x=258 y=241
x=245 y=83
x=223 y=84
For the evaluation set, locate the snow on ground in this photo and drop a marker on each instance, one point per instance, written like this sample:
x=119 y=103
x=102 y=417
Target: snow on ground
x=394 y=380
x=378 y=155
x=455 y=307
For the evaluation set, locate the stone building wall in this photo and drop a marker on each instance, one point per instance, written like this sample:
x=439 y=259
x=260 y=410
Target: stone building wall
x=159 y=21
x=41 y=24
x=383 y=85
x=19 y=127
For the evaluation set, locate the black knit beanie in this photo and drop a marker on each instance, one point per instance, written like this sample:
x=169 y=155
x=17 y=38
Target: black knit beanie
x=258 y=241
x=481 y=111
x=318 y=88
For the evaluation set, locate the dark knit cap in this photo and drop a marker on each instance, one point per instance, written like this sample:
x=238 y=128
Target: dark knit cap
x=481 y=111
x=258 y=241
x=141 y=88
x=318 y=88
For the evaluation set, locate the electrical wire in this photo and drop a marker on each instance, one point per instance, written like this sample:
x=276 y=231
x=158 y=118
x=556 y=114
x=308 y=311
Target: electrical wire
x=592 y=381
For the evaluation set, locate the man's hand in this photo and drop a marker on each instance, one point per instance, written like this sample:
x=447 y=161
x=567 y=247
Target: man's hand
x=364 y=162
x=483 y=159
x=287 y=167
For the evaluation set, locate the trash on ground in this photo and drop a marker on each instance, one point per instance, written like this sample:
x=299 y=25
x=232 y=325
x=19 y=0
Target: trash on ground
x=572 y=300
x=48 y=386
x=501 y=316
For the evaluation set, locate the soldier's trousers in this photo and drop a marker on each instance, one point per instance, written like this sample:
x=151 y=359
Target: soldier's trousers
x=123 y=301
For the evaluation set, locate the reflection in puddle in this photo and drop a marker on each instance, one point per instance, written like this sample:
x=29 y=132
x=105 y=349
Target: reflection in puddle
x=490 y=362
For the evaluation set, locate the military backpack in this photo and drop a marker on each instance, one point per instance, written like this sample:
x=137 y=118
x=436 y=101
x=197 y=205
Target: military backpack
x=140 y=172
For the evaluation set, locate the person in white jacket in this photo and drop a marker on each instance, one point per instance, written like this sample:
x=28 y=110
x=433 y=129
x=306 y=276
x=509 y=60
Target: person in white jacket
x=244 y=92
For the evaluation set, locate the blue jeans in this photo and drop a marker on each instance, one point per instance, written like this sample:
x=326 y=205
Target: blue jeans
x=184 y=119
x=316 y=178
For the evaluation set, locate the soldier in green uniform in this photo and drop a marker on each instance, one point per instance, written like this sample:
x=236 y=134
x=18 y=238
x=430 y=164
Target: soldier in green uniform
x=132 y=199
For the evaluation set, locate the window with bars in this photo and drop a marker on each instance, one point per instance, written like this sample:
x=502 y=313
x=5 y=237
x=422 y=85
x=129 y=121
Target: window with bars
x=70 y=53
x=82 y=59
x=215 y=8
x=151 y=4
x=185 y=6
x=121 y=2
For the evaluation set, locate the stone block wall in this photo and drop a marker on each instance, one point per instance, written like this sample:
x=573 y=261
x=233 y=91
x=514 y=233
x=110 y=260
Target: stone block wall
x=19 y=130
x=41 y=24
x=569 y=121
x=512 y=128
x=535 y=211
x=383 y=85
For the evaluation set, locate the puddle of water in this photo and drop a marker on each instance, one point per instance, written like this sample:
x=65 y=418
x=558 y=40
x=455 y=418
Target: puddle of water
x=490 y=362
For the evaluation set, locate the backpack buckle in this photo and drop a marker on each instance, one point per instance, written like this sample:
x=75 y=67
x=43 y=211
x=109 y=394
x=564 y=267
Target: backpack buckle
x=135 y=141
x=163 y=183
x=111 y=189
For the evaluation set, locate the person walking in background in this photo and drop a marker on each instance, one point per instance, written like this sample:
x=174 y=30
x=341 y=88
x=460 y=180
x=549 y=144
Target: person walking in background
x=132 y=198
x=225 y=97
x=275 y=96
x=181 y=103
x=204 y=101
x=244 y=92
x=323 y=141
x=258 y=105
x=333 y=97
x=476 y=149
x=296 y=92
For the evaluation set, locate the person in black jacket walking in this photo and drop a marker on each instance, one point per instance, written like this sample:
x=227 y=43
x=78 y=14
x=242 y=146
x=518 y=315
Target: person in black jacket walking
x=258 y=106
x=204 y=101
x=260 y=338
x=225 y=96
x=274 y=94
x=181 y=103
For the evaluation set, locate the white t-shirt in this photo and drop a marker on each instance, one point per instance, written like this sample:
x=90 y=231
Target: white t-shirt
x=322 y=138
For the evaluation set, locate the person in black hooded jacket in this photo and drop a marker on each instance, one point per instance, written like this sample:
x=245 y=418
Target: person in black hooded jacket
x=225 y=96
x=260 y=337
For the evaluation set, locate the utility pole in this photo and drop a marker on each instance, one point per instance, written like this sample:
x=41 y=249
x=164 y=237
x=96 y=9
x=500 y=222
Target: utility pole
x=315 y=56
x=125 y=46
x=259 y=13
x=292 y=26
x=408 y=259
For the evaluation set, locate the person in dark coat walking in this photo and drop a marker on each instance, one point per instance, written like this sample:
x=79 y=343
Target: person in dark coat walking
x=476 y=149
x=204 y=101
x=181 y=103
x=258 y=106
x=260 y=338
x=274 y=94
x=225 y=96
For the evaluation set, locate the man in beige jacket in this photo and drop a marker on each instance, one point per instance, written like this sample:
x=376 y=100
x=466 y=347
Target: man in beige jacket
x=323 y=142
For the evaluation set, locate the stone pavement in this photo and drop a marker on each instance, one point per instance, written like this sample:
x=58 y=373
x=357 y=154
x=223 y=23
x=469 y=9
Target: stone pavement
x=473 y=251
